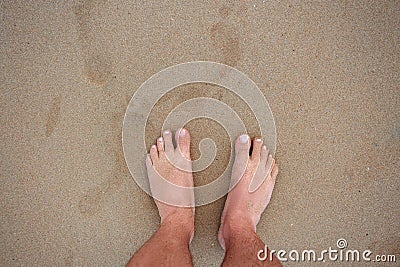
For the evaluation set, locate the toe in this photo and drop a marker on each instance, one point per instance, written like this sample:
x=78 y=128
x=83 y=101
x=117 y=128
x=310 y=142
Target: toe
x=242 y=148
x=274 y=172
x=264 y=155
x=153 y=153
x=160 y=145
x=168 y=145
x=264 y=171
x=149 y=164
x=268 y=185
x=261 y=172
x=270 y=164
x=257 y=145
x=242 y=145
x=182 y=138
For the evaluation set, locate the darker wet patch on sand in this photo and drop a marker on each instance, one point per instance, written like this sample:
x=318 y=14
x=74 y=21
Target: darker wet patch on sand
x=53 y=117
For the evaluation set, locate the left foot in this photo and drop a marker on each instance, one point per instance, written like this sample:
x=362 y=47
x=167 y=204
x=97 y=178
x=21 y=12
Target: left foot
x=172 y=186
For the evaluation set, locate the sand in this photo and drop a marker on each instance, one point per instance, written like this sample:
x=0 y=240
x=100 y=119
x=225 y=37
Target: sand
x=330 y=72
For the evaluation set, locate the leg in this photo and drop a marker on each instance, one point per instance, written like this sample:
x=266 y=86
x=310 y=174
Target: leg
x=244 y=206
x=169 y=246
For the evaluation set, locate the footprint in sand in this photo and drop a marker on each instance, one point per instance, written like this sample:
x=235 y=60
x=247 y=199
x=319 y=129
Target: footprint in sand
x=98 y=63
x=225 y=34
x=53 y=117
x=93 y=201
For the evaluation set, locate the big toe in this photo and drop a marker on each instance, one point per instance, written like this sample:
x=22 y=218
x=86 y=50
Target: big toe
x=242 y=149
x=182 y=138
x=242 y=146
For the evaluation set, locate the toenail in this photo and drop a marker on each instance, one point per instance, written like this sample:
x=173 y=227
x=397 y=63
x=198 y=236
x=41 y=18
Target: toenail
x=182 y=132
x=244 y=138
x=258 y=140
x=166 y=132
x=264 y=147
x=160 y=139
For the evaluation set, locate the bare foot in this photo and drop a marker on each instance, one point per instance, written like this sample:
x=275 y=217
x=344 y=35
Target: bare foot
x=172 y=186
x=249 y=198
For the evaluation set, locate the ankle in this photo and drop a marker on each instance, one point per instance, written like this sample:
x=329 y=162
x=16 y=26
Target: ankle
x=235 y=227
x=180 y=227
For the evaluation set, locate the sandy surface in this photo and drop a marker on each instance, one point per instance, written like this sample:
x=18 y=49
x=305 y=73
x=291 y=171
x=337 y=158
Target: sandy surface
x=330 y=72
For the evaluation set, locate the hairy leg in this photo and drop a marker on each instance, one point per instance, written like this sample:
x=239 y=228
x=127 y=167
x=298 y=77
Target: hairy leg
x=169 y=246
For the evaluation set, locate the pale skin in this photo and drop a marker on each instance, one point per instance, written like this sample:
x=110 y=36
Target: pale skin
x=169 y=245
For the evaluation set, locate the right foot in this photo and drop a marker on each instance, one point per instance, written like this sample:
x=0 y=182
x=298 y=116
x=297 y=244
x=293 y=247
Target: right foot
x=249 y=198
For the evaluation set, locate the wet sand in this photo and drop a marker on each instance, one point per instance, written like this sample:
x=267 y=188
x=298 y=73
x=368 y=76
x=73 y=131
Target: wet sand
x=330 y=72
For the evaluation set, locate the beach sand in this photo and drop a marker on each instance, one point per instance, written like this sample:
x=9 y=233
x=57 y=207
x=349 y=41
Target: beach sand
x=330 y=72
